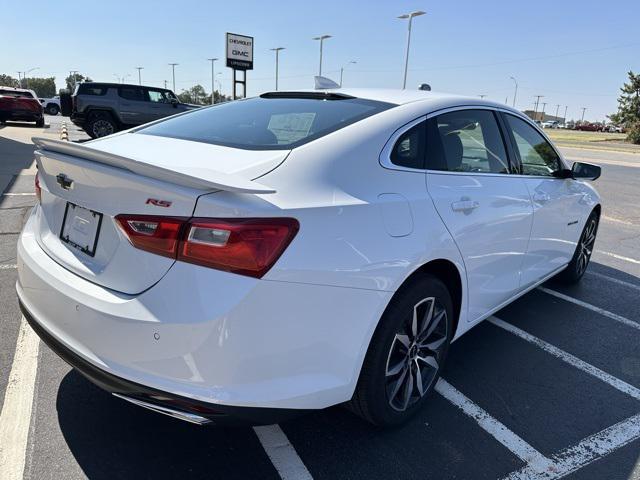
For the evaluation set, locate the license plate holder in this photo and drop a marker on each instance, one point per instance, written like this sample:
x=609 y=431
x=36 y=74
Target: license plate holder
x=81 y=228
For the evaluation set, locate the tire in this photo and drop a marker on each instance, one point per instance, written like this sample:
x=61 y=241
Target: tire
x=388 y=392
x=52 y=109
x=40 y=123
x=100 y=124
x=580 y=260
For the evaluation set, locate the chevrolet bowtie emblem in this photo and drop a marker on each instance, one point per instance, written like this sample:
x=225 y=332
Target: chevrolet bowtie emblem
x=64 y=181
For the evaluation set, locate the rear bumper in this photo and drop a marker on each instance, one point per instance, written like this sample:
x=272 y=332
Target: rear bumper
x=21 y=115
x=210 y=413
x=205 y=335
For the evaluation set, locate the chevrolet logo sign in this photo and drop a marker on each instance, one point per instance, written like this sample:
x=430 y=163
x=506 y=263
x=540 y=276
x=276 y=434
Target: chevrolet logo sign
x=64 y=181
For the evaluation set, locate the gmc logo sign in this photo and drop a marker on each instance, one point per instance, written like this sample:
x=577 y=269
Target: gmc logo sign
x=158 y=203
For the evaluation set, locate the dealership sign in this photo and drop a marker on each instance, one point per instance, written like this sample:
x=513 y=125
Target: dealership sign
x=239 y=52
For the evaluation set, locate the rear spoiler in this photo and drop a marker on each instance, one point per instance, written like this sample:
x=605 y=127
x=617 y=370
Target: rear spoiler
x=201 y=178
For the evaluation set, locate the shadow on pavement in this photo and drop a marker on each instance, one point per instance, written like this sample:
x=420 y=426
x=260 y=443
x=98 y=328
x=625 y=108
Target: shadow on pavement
x=111 y=438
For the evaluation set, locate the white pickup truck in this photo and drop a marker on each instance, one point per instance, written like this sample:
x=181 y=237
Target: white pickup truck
x=51 y=105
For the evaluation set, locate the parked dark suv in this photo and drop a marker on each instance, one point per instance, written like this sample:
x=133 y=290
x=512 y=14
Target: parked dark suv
x=105 y=108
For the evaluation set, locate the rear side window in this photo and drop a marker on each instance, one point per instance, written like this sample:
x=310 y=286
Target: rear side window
x=132 y=93
x=466 y=141
x=537 y=156
x=14 y=93
x=409 y=149
x=84 y=89
x=271 y=123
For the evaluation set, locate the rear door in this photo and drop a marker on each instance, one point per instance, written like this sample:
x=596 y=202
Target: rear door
x=486 y=209
x=556 y=205
x=135 y=109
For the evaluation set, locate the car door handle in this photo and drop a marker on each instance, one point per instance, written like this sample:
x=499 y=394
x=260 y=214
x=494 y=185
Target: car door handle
x=464 y=205
x=541 y=197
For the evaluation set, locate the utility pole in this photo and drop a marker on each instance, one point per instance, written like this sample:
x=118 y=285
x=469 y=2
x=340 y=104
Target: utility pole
x=72 y=74
x=565 y=113
x=515 y=93
x=557 y=108
x=139 y=76
x=342 y=70
x=406 y=58
x=213 y=79
x=19 y=79
x=583 y=110
x=173 y=72
x=322 y=38
x=277 y=50
x=544 y=105
x=535 y=111
x=165 y=84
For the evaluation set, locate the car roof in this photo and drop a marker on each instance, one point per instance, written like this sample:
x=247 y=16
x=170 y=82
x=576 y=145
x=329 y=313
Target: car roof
x=16 y=89
x=115 y=85
x=438 y=100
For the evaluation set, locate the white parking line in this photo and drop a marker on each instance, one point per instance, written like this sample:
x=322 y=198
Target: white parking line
x=614 y=280
x=520 y=448
x=616 y=383
x=8 y=266
x=601 y=311
x=282 y=454
x=18 y=402
x=587 y=451
x=619 y=257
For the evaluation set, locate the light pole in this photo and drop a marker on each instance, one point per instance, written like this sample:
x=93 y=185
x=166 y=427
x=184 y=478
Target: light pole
x=139 y=76
x=583 y=110
x=213 y=61
x=515 y=92
x=277 y=50
x=544 y=105
x=24 y=76
x=565 y=113
x=322 y=38
x=173 y=72
x=342 y=69
x=165 y=84
x=557 y=108
x=406 y=58
x=535 y=112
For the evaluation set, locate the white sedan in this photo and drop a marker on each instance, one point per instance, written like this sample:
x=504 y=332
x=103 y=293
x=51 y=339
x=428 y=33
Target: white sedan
x=261 y=258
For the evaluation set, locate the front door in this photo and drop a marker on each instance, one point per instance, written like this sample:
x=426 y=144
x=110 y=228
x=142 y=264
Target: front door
x=557 y=212
x=487 y=210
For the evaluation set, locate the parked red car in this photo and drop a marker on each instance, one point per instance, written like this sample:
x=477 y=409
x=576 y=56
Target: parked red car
x=20 y=104
x=589 y=127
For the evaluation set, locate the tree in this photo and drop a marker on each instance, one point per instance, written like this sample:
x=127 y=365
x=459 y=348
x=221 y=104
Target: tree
x=628 y=113
x=71 y=80
x=195 y=94
x=8 y=81
x=44 y=87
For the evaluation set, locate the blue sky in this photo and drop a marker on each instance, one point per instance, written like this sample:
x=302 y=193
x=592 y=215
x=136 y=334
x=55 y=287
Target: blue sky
x=575 y=53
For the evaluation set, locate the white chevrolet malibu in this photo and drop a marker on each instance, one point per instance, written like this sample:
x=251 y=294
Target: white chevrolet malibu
x=265 y=257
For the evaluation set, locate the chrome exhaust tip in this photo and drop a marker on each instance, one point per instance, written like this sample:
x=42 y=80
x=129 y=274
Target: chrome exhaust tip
x=180 y=415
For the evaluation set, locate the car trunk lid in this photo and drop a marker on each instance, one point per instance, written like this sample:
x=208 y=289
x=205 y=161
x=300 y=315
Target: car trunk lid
x=85 y=186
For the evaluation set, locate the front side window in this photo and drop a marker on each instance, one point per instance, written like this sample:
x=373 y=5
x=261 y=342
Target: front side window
x=157 y=96
x=408 y=150
x=135 y=94
x=271 y=122
x=466 y=141
x=537 y=156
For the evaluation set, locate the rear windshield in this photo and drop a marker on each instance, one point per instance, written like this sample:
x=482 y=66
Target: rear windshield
x=271 y=123
x=14 y=93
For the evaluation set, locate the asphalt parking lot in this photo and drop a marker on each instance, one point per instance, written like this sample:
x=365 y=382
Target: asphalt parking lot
x=548 y=388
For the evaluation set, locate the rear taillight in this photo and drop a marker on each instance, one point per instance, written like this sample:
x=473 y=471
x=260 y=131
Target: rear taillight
x=37 y=188
x=248 y=246
x=159 y=235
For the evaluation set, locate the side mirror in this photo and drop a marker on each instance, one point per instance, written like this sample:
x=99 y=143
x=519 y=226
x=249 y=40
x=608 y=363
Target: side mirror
x=174 y=102
x=586 y=171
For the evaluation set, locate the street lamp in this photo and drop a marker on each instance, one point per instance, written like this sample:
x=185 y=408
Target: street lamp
x=515 y=92
x=322 y=39
x=139 y=76
x=24 y=76
x=213 y=61
x=583 y=110
x=173 y=72
x=342 y=69
x=277 y=50
x=406 y=58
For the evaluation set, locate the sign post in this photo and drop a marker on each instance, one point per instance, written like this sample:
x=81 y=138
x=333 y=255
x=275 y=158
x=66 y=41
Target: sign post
x=239 y=57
